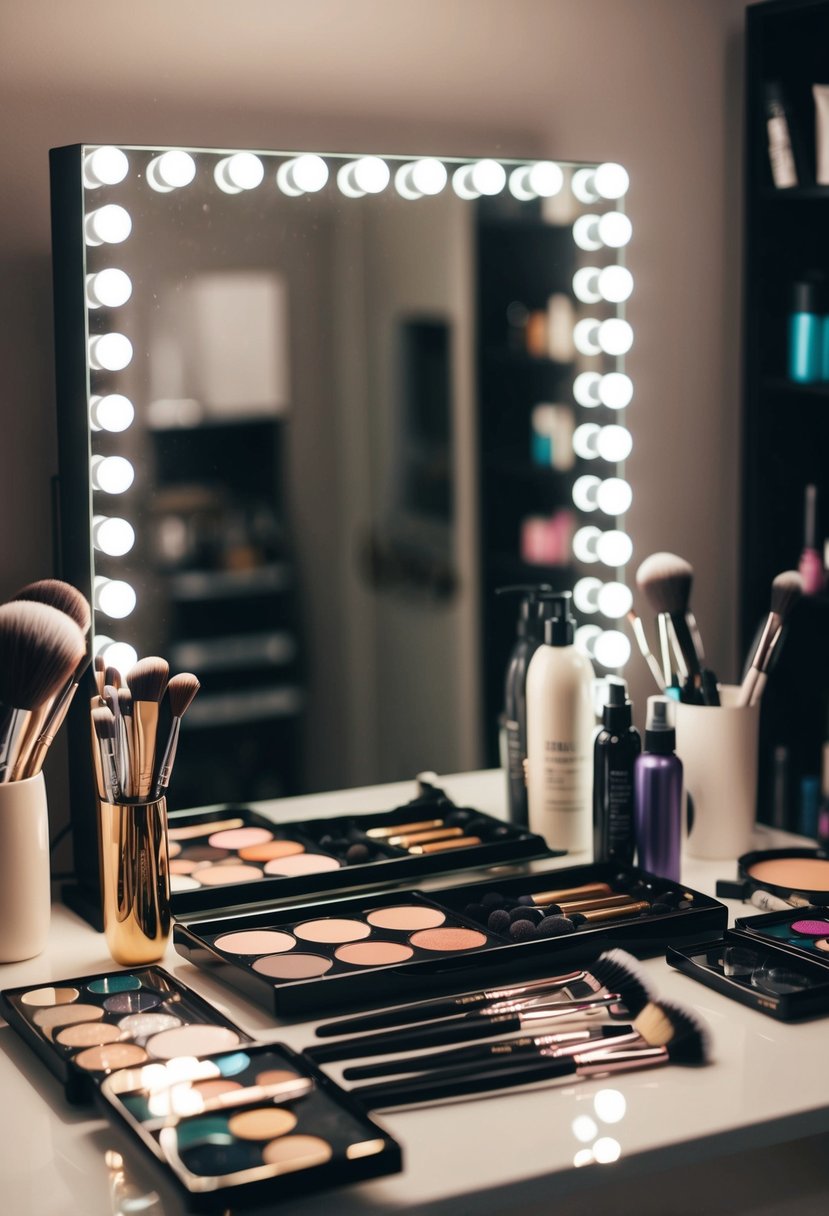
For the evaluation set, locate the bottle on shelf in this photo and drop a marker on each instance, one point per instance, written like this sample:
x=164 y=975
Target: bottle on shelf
x=529 y=636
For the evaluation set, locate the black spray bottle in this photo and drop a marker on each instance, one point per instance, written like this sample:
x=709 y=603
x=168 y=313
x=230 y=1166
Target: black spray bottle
x=615 y=750
x=529 y=636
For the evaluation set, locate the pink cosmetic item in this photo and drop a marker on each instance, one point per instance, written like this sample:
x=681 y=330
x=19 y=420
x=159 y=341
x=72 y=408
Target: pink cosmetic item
x=810 y=564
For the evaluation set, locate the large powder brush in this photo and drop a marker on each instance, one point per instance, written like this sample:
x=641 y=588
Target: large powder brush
x=786 y=590
x=147 y=682
x=666 y=580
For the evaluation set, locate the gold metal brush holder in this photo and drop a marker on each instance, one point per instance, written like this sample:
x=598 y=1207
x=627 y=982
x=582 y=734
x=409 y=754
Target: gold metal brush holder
x=136 y=880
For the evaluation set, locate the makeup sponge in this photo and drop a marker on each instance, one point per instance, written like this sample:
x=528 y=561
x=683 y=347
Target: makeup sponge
x=499 y=921
x=493 y=899
x=555 y=926
x=523 y=931
x=533 y=915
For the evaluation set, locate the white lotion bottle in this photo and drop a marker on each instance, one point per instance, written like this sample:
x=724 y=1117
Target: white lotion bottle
x=560 y=726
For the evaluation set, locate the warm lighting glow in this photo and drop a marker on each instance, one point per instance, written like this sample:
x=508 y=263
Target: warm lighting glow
x=584 y=1128
x=614 y=496
x=612 y=649
x=585 y=491
x=615 y=336
x=241 y=171
x=615 y=600
x=584 y=544
x=368 y=175
x=112 y=474
x=171 y=171
x=111 y=413
x=108 y=225
x=615 y=390
x=303 y=175
x=610 y=1105
x=610 y=180
x=108 y=288
x=614 y=229
x=123 y=656
x=112 y=535
x=614 y=443
x=615 y=284
x=585 y=439
x=614 y=548
x=110 y=352
x=586 y=594
x=422 y=177
x=586 y=389
x=113 y=596
x=106 y=166
x=606 y=1149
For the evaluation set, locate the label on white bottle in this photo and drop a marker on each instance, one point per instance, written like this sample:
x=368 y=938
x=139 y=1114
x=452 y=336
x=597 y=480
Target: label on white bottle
x=565 y=771
x=783 y=169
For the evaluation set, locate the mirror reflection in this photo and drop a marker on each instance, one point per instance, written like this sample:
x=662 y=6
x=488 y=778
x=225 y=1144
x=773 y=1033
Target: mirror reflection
x=333 y=403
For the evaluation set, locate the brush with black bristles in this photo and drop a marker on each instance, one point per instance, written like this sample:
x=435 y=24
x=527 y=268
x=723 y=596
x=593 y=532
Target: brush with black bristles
x=40 y=648
x=180 y=692
x=106 y=728
x=786 y=590
x=614 y=966
x=147 y=682
x=664 y=1034
x=500 y=1018
x=666 y=581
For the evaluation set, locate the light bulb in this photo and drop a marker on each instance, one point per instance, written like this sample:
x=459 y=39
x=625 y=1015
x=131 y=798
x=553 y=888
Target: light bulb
x=614 y=443
x=612 y=648
x=426 y=176
x=585 y=439
x=113 y=596
x=106 y=166
x=583 y=185
x=112 y=474
x=112 y=535
x=615 y=390
x=585 y=490
x=615 y=336
x=614 y=229
x=303 y=175
x=586 y=389
x=108 y=288
x=614 y=496
x=586 y=285
x=108 y=225
x=615 y=600
x=544 y=179
x=585 y=639
x=615 y=284
x=171 y=171
x=610 y=1105
x=120 y=655
x=110 y=352
x=611 y=180
x=111 y=413
x=368 y=175
x=586 y=233
x=241 y=171
x=586 y=594
x=614 y=548
x=586 y=336
x=482 y=177
x=584 y=544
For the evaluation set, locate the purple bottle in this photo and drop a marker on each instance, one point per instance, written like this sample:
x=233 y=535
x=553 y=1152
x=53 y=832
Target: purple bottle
x=657 y=780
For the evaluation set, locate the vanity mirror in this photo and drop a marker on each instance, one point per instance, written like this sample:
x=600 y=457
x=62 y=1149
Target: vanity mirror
x=313 y=410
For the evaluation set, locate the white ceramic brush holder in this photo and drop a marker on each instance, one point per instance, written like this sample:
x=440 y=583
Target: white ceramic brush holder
x=25 y=896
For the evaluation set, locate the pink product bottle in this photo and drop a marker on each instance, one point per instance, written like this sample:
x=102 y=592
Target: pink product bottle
x=810 y=565
x=546 y=540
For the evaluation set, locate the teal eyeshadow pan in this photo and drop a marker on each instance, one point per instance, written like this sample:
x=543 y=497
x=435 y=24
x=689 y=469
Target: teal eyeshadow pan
x=115 y=983
x=213 y=1130
x=232 y=1065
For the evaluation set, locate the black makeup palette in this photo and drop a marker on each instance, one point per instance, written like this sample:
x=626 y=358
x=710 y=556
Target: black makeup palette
x=787 y=872
x=215 y=852
x=84 y=1029
x=258 y=1124
x=763 y=975
x=803 y=932
x=406 y=944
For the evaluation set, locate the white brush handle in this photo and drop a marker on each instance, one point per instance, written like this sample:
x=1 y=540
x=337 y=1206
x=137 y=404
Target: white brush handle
x=759 y=685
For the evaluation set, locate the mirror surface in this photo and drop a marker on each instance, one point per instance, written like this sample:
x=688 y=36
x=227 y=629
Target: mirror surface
x=331 y=407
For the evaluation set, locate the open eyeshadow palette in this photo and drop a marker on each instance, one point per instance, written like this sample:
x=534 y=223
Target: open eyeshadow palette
x=406 y=944
x=803 y=932
x=84 y=1029
x=252 y=1125
x=214 y=852
x=760 y=974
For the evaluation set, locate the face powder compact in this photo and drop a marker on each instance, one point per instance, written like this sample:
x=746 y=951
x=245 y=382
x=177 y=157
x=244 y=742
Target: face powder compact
x=787 y=872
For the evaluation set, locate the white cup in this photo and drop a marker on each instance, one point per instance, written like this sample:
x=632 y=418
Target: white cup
x=25 y=895
x=718 y=749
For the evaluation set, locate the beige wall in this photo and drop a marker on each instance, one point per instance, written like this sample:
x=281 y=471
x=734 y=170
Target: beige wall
x=652 y=83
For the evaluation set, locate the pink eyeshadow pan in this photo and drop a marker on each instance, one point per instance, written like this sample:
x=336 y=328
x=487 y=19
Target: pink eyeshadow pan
x=448 y=939
x=811 y=928
x=293 y=966
x=239 y=838
x=255 y=941
x=301 y=863
x=217 y=876
x=374 y=954
x=182 y=866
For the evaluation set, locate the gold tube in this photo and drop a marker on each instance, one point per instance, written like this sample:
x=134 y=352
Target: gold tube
x=136 y=881
x=400 y=829
x=601 y=914
x=424 y=837
x=459 y=842
x=554 y=897
x=597 y=901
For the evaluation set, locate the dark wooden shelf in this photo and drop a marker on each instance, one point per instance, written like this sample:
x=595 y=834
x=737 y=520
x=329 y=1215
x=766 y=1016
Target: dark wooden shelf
x=779 y=384
x=813 y=193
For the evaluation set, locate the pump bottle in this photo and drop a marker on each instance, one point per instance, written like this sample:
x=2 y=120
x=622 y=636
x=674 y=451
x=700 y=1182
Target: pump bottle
x=615 y=749
x=560 y=723
x=658 y=795
x=529 y=636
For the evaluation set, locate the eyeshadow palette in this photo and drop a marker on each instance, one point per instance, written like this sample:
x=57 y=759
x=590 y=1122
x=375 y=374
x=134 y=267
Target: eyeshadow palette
x=403 y=945
x=84 y=1029
x=214 y=852
x=802 y=931
x=761 y=975
x=257 y=1124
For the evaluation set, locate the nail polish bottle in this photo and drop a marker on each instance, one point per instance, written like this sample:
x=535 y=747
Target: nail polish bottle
x=805 y=327
x=810 y=565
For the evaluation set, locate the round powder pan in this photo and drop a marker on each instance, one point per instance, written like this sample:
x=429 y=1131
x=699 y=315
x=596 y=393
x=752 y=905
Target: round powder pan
x=787 y=872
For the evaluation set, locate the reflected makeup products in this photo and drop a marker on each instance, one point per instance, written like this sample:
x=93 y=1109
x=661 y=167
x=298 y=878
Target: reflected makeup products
x=84 y=1029
x=376 y=947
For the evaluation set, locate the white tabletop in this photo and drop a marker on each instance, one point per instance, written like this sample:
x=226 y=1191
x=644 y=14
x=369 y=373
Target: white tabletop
x=768 y=1084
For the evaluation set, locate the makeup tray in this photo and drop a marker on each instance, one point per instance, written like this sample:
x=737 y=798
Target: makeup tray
x=767 y=977
x=777 y=929
x=322 y=847
x=318 y=957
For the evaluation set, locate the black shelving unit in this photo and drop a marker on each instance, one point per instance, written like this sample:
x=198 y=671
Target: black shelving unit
x=785 y=424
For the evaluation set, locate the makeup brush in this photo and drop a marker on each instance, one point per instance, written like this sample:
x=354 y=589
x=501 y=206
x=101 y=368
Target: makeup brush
x=645 y=650
x=40 y=648
x=105 y=727
x=60 y=595
x=666 y=581
x=180 y=691
x=126 y=759
x=55 y=717
x=506 y=1017
x=677 y=1037
x=786 y=590
x=99 y=669
x=112 y=677
x=146 y=681
x=609 y=968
